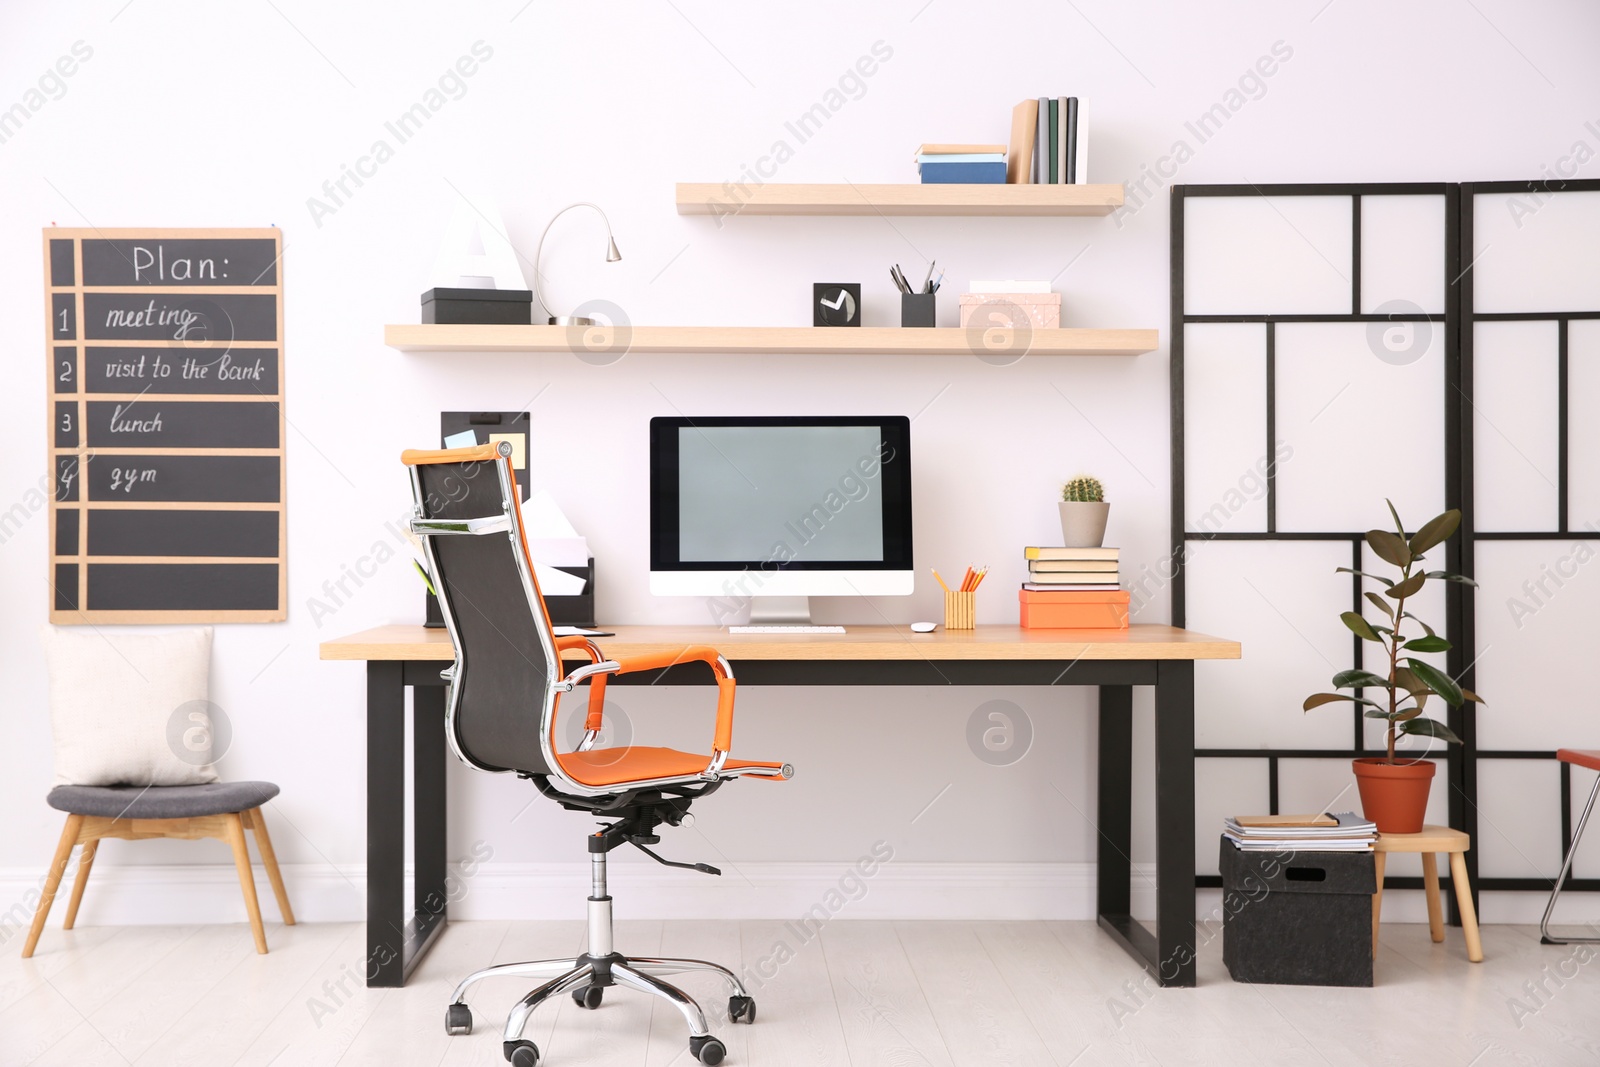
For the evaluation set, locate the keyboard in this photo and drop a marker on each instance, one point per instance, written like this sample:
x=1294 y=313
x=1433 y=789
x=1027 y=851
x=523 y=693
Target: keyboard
x=786 y=629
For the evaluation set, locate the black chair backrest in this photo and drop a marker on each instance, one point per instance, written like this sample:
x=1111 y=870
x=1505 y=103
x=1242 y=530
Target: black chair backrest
x=506 y=662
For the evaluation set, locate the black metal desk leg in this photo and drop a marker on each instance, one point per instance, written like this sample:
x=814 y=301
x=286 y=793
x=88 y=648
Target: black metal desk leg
x=1114 y=816
x=1175 y=823
x=428 y=808
x=386 y=821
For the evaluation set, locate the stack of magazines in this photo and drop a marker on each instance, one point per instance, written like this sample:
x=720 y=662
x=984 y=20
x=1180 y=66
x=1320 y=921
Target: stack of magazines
x=1342 y=832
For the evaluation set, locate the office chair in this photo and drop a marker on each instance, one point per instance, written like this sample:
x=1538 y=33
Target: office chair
x=504 y=696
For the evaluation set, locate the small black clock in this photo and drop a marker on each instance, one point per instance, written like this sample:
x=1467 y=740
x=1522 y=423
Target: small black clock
x=836 y=304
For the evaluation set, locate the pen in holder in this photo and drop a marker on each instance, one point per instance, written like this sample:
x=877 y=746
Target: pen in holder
x=959 y=609
x=916 y=309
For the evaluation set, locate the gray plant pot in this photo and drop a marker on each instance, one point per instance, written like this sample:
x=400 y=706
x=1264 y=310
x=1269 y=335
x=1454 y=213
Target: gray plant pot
x=1083 y=523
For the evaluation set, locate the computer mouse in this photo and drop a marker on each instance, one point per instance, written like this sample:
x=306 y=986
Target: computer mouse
x=923 y=627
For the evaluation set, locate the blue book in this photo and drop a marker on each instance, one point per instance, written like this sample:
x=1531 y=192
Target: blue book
x=964 y=173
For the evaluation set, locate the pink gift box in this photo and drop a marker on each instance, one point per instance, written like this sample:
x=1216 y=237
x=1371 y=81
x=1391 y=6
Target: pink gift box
x=1042 y=310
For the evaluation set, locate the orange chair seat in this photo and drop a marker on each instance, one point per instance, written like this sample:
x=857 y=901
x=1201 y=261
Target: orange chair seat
x=634 y=763
x=1583 y=757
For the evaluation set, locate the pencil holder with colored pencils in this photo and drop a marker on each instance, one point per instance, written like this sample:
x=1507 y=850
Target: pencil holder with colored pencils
x=959 y=609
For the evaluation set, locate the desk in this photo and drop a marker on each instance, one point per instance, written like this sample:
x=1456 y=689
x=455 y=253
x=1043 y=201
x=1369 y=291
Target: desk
x=1113 y=660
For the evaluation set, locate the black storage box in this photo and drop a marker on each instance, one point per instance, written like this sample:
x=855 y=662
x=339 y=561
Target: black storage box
x=1297 y=918
x=460 y=306
x=564 y=610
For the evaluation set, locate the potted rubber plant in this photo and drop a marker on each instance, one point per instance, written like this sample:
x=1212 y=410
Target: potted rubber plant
x=1083 y=513
x=1394 y=791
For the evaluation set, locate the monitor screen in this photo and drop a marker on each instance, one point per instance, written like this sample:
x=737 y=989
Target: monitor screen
x=781 y=493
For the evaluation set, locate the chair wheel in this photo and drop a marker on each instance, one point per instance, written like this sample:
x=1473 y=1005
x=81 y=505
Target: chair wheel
x=742 y=1009
x=522 y=1053
x=588 y=997
x=707 y=1049
x=458 y=1019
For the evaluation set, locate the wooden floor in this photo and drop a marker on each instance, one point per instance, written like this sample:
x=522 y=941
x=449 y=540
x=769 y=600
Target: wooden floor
x=860 y=993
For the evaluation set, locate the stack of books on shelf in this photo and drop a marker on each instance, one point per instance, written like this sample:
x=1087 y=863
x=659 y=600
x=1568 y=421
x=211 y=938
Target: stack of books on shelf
x=1344 y=832
x=1073 y=589
x=1049 y=143
x=962 y=164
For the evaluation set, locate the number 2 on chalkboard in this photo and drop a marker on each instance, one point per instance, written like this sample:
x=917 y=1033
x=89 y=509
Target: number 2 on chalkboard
x=66 y=370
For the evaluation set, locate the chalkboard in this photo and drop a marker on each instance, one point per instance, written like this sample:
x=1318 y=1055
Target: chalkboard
x=166 y=430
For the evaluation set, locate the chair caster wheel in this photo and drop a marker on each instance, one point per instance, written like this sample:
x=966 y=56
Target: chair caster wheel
x=707 y=1049
x=588 y=997
x=457 y=1020
x=742 y=1009
x=522 y=1053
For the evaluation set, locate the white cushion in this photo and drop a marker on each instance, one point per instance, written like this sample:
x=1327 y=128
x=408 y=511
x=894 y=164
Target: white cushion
x=122 y=706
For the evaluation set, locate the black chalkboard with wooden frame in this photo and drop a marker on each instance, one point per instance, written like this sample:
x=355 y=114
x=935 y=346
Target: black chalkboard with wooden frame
x=166 y=429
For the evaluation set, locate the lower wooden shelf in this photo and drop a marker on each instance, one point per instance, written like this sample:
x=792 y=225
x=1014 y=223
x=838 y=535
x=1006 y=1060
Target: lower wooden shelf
x=997 y=345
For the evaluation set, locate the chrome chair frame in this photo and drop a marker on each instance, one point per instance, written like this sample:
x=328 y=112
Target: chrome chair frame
x=1561 y=880
x=600 y=965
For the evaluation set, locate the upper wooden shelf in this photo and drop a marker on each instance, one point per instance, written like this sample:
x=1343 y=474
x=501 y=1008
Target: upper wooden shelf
x=771 y=340
x=700 y=198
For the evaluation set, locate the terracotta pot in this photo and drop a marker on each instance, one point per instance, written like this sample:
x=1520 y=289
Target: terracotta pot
x=1395 y=796
x=1083 y=522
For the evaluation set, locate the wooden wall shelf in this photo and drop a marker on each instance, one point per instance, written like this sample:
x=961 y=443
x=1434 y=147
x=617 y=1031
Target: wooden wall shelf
x=766 y=340
x=695 y=198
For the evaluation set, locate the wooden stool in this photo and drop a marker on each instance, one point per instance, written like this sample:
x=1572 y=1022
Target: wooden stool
x=216 y=809
x=1433 y=840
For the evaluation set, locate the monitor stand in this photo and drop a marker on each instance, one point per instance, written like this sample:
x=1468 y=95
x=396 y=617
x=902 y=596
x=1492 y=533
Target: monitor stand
x=780 y=611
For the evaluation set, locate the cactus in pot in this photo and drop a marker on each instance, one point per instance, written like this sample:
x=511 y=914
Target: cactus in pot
x=1083 y=512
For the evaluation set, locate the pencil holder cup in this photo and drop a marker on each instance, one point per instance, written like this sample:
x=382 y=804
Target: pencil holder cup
x=916 y=309
x=959 y=610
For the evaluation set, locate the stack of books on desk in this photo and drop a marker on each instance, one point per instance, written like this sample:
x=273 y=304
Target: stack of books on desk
x=1073 y=588
x=962 y=164
x=1344 y=832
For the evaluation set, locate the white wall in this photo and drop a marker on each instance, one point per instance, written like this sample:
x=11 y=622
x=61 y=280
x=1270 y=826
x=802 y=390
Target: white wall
x=206 y=115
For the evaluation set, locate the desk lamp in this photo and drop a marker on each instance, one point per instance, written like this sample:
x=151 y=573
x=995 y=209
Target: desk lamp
x=612 y=256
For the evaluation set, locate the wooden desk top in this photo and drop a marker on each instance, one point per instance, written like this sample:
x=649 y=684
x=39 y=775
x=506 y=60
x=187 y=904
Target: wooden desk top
x=1143 y=642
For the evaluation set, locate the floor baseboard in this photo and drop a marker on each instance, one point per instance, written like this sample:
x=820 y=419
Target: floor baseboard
x=209 y=893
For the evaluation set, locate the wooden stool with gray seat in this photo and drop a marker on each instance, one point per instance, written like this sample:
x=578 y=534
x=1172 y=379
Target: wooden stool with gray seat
x=134 y=732
x=218 y=809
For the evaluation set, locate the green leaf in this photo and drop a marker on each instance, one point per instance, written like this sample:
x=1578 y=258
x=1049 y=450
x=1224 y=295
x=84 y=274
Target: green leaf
x=1383 y=605
x=1446 y=576
x=1391 y=548
x=1409 y=587
x=1431 y=643
x=1364 y=574
x=1406 y=679
x=1438 y=681
x=1316 y=700
x=1399 y=527
x=1359 y=626
x=1419 y=622
x=1430 y=728
x=1407 y=715
x=1355 y=677
x=1435 y=531
x=1467 y=694
x=1378 y=713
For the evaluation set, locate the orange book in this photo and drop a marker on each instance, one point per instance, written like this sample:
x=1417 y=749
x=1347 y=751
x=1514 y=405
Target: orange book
x=1074 y=610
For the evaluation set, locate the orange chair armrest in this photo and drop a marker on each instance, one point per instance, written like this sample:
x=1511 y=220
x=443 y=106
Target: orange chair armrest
x=723 y=738
x=654 y=661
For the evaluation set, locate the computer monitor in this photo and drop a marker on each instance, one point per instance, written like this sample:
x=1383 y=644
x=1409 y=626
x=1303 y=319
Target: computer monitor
x=768 y=511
